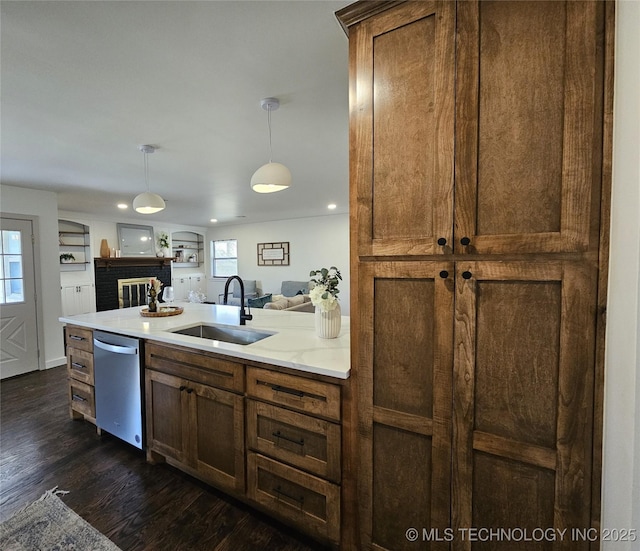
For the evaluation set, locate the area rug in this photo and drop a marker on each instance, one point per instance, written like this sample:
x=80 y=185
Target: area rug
x=49 y=525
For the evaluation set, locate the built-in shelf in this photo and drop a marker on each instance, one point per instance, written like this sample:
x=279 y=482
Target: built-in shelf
x=73 y=238
x=186 y=245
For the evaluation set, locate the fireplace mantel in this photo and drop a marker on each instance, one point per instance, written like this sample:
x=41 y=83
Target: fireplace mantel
x=132 y=261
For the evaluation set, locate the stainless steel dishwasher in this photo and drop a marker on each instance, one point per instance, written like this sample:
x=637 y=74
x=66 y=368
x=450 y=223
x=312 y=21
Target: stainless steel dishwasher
x=118 y=386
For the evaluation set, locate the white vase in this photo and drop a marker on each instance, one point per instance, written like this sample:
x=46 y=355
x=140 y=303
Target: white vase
x=328 y=323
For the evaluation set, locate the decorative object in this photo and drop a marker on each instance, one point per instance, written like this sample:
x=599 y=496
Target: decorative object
x=65 y=258
x=273 y=254
x=163 y=243
x=324 y=296
x=135 y=240
x=272 y=176
x=147 y=202
x=48 y=523
x=104 y=249
x=154 y=288
x=162 y=312
x=259 y=302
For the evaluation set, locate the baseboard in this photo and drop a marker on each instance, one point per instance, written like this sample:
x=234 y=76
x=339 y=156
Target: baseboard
x=49 y=364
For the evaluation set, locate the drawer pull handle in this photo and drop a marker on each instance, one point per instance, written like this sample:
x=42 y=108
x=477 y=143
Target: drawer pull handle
x=76 y=338
x=284 y=389
x=280 y=492
x=76 y=365
x=78 y=398
x=278 y=434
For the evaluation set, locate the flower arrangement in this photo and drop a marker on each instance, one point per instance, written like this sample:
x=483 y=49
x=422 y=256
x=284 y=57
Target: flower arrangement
x=163 y=240
x=155 y=285
x=325 y=292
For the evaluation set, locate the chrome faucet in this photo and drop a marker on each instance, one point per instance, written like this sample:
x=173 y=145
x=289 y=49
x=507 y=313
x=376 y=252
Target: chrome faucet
x=244 y=316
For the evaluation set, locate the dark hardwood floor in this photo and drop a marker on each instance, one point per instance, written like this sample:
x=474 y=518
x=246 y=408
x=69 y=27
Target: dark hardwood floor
x=137 y=505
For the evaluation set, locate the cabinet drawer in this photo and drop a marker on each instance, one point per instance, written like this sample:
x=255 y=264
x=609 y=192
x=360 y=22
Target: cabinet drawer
x=79 y=338
x=306 y=442
x=80 y=365
x=306 y=395
x=311 y=503
x=198 y=367
x=81 y=398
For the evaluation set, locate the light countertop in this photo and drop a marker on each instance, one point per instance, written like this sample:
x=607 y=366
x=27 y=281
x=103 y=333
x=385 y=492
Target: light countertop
x=294 y=343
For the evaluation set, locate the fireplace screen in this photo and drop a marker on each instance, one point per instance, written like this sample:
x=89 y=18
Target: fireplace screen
x=133 y=291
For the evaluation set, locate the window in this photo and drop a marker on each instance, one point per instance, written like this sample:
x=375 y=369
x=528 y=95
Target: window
x=224 y=258
x=11 y=268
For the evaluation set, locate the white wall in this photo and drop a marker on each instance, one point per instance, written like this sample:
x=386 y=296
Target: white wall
x=315 y=243
x=42 y=205
x=621 y=470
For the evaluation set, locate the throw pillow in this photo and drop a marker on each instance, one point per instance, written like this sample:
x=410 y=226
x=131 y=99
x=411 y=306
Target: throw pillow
x=259 y=302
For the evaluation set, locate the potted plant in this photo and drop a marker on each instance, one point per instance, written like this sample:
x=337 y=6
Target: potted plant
x=163 y=243
x=65 y=258
x=324 y=296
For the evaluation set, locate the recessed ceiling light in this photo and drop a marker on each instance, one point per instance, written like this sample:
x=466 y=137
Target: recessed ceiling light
x=214 y=220
x=123 y=206
x=331 y=206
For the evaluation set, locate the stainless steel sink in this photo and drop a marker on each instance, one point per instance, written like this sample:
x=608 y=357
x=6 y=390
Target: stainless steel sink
x=223 y=333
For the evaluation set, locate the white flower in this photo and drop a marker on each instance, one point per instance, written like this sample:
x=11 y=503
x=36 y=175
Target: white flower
x=324 y=299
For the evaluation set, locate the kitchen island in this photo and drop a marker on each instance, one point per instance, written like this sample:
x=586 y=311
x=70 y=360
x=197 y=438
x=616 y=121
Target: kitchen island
x=261 y=421
x=293 y=344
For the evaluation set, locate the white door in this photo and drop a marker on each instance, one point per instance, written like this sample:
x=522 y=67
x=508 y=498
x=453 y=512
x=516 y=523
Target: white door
x=18 y=325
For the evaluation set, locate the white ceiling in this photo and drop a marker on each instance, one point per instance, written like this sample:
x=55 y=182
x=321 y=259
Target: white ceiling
x=84 y=83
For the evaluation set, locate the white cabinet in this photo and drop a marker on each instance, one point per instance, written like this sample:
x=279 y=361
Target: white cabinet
x=182 y=284
x=78 y=299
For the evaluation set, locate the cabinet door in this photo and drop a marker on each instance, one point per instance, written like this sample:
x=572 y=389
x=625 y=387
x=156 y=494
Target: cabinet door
x=523 y=396
x=217 y=435
x=528 y=126
x=404 y=371
x=167 y=415
x=401 y=125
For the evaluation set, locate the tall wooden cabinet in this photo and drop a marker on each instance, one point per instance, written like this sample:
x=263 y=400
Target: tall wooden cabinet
x=479 y=188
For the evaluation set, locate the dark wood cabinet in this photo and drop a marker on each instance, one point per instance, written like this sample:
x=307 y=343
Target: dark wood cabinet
x=478 y=155
x=197 y=425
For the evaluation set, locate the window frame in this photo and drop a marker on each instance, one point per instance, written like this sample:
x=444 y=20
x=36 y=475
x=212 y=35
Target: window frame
x=214 y=258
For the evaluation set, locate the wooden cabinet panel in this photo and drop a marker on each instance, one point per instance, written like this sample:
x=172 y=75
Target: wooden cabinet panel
x=82 y=399
x=402 y=113
x=528 y=126
x=200 y=367
x=80 y=365
x=79 y=338
x=167 y=415
x=216 y=424
x=404 y=374
x=309 y=502
x=305 y=395
x=306 y=442
x=523 y=393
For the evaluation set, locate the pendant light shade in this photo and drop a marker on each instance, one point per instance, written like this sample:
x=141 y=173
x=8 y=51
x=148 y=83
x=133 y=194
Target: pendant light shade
x=147 y=202
x=272 y=176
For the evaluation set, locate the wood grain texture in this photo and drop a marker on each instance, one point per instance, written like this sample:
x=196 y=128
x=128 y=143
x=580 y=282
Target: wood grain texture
x=139 y=506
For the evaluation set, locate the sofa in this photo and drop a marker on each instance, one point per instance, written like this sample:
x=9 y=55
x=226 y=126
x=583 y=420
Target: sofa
x=251 y=290
x=293 y=297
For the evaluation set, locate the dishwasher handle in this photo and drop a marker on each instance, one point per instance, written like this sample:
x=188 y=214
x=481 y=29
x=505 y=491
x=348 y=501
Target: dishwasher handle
x=115 y=348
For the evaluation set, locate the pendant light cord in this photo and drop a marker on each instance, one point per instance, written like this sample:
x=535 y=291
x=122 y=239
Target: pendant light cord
x=146 y=171
x=269 y=125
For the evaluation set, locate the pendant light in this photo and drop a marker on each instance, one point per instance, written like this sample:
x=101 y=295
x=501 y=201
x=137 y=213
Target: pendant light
x=272 y=176
x=147 y=202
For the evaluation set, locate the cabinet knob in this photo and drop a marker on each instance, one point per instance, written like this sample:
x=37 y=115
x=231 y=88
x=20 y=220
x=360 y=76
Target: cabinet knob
x=466 y=275
x=442 y=241
x=444 y=274
x=182 y=388
x=189 y=390
x=465 y=241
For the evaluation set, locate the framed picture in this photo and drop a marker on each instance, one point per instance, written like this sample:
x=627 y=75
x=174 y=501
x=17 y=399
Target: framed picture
x=134 y=240
x=273 y=254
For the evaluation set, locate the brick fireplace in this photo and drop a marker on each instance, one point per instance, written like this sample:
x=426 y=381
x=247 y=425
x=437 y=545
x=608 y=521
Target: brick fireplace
x=109 y=270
